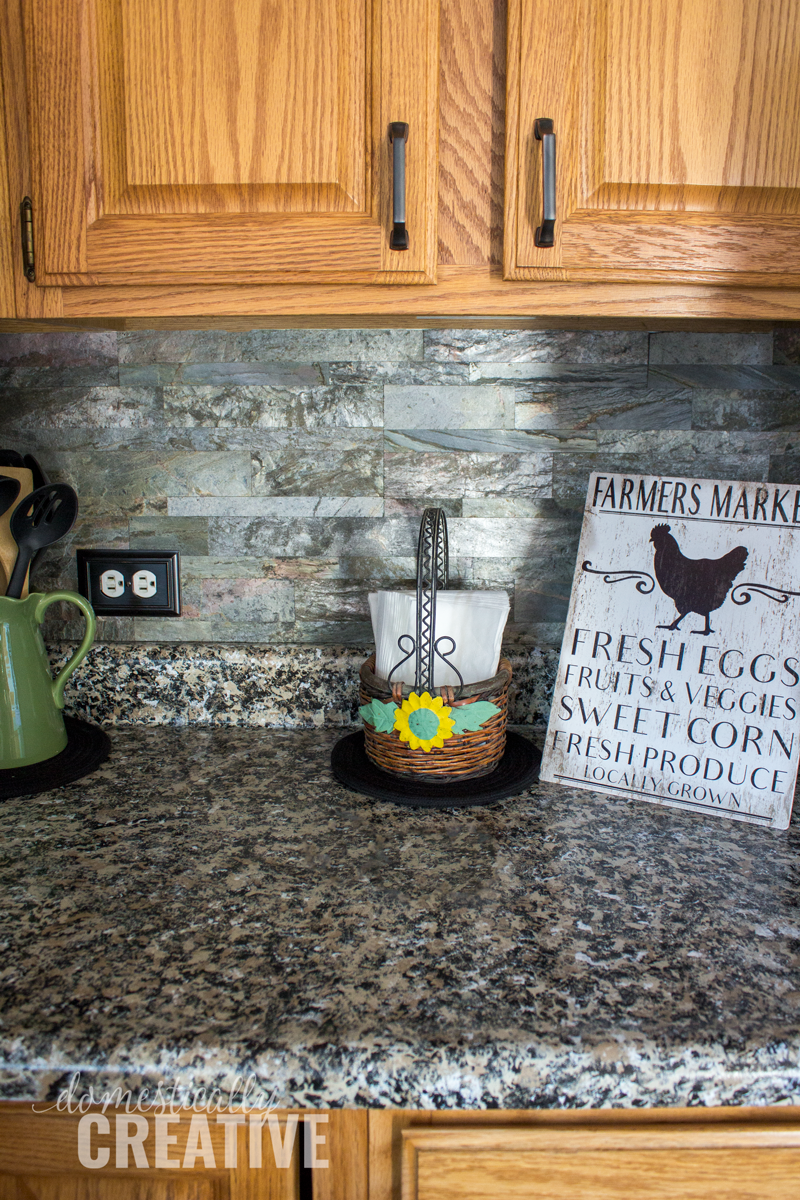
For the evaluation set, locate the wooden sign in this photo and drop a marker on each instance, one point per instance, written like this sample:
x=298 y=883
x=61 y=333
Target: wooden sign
x=679 y=677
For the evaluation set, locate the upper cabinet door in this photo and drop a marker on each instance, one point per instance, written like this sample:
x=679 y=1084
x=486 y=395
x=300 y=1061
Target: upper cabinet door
x=677 y=140
x=230 y=141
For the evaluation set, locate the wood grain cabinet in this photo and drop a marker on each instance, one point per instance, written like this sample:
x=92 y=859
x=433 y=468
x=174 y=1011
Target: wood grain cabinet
x=602 y=1155
x=195 y=1156
x=231 y=158
x=609 y=1154
x=198 y=142
x=677 y=140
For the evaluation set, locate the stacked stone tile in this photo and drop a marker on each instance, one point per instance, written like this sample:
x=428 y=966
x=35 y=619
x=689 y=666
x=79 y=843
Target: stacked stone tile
x=290 y=467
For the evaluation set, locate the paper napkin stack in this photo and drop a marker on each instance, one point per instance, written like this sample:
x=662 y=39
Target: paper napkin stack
x=475 y=621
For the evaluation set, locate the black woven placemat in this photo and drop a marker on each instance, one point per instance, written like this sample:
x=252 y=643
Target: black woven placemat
x=516 y=771
x=87 y=747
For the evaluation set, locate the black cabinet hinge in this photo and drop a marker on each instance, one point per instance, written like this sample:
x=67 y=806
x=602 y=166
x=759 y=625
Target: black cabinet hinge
x=26 y=220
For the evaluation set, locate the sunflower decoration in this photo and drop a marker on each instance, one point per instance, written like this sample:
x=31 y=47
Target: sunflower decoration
x=424 y=721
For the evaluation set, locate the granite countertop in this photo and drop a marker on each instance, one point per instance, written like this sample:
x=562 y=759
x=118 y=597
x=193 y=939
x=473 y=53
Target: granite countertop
x=211 y=904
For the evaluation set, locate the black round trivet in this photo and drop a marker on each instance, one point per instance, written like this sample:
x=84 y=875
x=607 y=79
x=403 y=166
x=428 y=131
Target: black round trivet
x=86 y=749
x=516 y=771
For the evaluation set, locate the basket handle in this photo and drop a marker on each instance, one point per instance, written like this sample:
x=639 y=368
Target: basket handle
x=433 y=574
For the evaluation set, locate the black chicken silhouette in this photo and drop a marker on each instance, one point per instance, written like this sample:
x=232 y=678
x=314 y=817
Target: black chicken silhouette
x=697 y=585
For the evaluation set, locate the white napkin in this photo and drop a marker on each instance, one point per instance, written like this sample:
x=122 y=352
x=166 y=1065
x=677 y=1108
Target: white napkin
x=475 y=621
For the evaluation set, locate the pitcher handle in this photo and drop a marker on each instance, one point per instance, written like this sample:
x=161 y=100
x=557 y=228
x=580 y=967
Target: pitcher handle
x=83 y=649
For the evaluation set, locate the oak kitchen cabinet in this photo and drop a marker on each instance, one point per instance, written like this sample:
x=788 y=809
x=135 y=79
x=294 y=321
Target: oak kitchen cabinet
x=676 y=134
x=680 y=1154
x=230 y=159
x=213 y=141
x=39 y=1156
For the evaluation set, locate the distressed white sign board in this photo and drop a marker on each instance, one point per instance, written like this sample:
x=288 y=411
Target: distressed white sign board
x=679 y=677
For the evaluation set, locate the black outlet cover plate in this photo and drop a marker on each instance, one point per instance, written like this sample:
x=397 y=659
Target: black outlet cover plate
x=165 y=565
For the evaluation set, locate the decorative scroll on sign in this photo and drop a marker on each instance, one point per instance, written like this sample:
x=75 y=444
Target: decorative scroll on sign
x=679 y=678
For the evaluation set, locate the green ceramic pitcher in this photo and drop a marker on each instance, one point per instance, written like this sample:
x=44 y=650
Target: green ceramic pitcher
x=31 y=725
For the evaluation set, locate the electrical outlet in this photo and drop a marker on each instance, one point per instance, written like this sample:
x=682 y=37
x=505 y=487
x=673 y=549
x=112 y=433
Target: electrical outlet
x=131 y=582
x=145 y=584
x=112 y=583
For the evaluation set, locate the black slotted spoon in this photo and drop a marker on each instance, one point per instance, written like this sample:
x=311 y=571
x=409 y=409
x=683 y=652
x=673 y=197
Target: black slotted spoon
x=39 y=520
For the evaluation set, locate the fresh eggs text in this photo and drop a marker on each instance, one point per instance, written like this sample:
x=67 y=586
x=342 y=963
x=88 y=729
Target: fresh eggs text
x=627 y=697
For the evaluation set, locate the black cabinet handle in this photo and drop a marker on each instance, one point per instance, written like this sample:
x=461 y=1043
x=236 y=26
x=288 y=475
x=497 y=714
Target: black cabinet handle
x=398 y=136
x=543 y=132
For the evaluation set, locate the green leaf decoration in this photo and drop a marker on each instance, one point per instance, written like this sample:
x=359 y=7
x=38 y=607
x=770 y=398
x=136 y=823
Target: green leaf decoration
x=472 y=716
x=380 y=715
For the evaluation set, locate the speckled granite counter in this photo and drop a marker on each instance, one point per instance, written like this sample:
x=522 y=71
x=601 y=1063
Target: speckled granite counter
x=211 y=904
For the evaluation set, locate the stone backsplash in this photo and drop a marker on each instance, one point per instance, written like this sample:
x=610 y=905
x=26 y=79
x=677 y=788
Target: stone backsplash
x=290 y=468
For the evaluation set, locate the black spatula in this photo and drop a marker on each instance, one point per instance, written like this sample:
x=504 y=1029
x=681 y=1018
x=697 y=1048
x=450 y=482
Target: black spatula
x=39 y=520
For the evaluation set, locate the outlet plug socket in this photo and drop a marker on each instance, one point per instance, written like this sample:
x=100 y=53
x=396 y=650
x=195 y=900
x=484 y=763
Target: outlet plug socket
x=144 y=584
x=112 y=583
x=131 y=582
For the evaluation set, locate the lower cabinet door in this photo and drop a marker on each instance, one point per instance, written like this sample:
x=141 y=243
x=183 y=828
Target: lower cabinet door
x=669 y=1162
x=114 y=1155
x=146 y=1154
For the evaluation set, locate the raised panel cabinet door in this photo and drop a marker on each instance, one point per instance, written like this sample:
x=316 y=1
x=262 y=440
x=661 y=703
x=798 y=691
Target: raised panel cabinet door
x=179 y=1155
x=678 y=1163
x=677 y=144
x=144 y=1156
x=229 y=141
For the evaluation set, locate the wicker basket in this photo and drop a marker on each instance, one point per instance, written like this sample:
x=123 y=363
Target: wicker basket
x=463 y=757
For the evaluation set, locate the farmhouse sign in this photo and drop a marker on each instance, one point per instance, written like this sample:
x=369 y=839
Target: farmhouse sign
x=679 y=677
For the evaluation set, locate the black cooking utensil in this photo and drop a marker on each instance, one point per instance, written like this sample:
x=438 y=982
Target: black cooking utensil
x=11 y=458
x=40 y=477
x=39 y=520
x=9 y=490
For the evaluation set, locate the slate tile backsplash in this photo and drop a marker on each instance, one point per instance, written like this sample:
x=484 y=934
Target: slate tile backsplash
x=290 y=467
